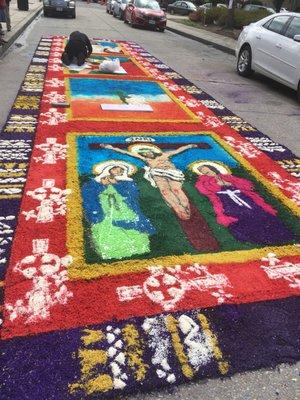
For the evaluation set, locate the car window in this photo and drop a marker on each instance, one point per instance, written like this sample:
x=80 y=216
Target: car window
x=266 y=25
x=294 y=28
x=277 y=24
x=184 y=5
x=153 y=5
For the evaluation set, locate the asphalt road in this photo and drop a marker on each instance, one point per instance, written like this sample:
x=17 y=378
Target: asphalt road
x=270 y=107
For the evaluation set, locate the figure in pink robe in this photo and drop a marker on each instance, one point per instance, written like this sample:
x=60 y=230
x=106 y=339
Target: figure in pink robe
x=238 y=207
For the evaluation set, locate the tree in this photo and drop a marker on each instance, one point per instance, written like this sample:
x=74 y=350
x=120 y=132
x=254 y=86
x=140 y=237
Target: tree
x=277 y=5
x=230 y=15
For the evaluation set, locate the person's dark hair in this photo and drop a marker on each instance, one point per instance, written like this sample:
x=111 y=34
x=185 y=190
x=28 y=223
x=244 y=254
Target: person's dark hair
x=65 y=58
x=214 y=169
x=81 y=59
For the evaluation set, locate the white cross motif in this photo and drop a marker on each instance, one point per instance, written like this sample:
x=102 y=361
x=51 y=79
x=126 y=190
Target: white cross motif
x=54 y=60
x=167 y=286
x=209 y=121
x=275 y=269
x=172 y=87
x=48 y=275
x=56 y=48
x=55 y=82
x=54 y=117
x=192 y=103
x=52 y=150
x=286 y=184
x=55 y=53
x=244 y=148
x=54 y=97
x=157 y=75
x=52 y=202
x=55 y=68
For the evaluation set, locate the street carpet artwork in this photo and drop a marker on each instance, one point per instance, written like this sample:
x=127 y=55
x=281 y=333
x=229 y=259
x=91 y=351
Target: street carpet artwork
x=148 y=236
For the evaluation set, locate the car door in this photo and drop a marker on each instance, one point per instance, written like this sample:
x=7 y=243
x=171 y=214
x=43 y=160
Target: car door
x=266 y=46
x=289 y=50
x=129 y=11
x=184 y=8
x=116 y=7
x=177 y=7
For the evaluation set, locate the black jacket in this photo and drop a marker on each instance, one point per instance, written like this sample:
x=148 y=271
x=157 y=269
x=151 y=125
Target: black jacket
x=78 y=43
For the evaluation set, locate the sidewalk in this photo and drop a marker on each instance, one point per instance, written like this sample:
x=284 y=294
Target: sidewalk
x=19 y=21
x=201 y=35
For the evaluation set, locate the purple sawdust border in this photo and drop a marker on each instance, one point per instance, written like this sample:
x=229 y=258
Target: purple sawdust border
x=250 y=337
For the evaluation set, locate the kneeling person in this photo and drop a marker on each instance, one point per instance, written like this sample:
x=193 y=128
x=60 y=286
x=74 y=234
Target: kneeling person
x=79 y=47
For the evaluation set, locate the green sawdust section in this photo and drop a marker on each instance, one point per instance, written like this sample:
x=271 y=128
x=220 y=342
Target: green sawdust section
x=170 y=238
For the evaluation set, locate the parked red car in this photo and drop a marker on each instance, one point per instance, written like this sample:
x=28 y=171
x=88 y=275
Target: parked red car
x=146 y=13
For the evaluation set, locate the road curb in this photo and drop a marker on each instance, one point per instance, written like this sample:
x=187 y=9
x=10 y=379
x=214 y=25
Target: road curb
x=19 y=31
x=226 y=49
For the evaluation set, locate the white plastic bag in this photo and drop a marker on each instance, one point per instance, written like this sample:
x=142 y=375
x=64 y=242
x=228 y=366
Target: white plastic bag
x=110 y=65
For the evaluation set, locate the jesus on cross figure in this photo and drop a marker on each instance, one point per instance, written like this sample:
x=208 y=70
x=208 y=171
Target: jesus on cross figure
x=162 y=173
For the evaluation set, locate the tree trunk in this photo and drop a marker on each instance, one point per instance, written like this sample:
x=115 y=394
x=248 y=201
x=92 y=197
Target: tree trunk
x=277 y=5
x=230 y=14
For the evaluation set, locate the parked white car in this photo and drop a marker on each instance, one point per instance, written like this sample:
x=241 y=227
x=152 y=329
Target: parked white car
x=208 y=6
x=110 y=6
x=254 y=7
x=271 y=47
x=119 y=8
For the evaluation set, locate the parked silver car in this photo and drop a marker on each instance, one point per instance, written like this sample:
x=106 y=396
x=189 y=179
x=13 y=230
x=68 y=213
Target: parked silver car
x=119 y=8
x=271 y=47
x=109 y=6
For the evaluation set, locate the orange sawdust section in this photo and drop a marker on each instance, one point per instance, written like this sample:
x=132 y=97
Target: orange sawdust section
x=91 y=109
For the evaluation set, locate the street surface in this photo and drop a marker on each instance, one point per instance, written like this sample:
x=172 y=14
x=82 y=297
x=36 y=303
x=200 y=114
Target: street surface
x=270 y=107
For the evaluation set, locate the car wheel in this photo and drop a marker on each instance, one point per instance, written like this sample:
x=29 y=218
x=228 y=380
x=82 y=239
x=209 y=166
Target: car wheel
x=172 y=12
x=73 y=15
x=125 y=20
x=114 y=14
x=107 y=11
x=244 y=61
x=133 y=25
x=46 y=14
x=161 y=29
x=121 y=15
x=298 y=92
